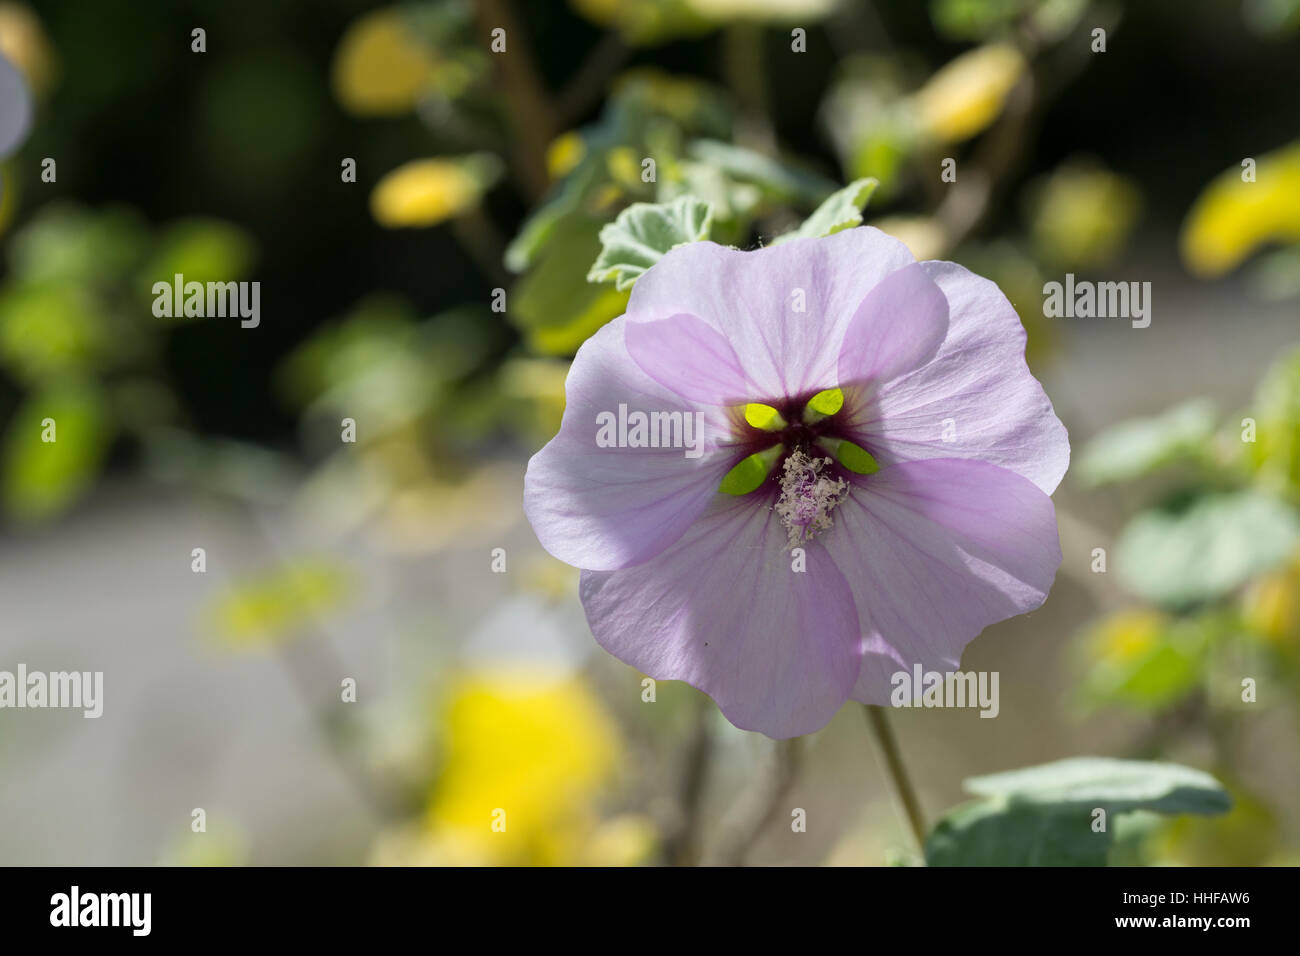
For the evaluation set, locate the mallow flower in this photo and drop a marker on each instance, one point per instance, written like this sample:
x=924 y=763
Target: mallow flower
x=789 y=474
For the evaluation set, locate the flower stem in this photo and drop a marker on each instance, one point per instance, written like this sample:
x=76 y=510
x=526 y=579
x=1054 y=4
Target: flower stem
x=893 y=761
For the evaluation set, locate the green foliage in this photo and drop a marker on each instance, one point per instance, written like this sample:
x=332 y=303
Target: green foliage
x=643 y=233
x=237 y=470
x=1146 y=660
x=1201 y=549
x=71 y=244
x=1275 y=452
x=202 y=250
x=1137 y=447
x=1043 y=815
x=974 y=19
x=77 y=329
x=842 y=210
x=1117 y=785
x=555 y=305
x=49 y=328
x=982 y=19
x=997 y=833
x=42 y=478
x=777 y=180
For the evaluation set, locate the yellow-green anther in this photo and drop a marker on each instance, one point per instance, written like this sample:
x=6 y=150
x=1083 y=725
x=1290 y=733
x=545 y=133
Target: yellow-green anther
x=764 y=417
x=853 y=457
x=823 y=405
x=750 y=473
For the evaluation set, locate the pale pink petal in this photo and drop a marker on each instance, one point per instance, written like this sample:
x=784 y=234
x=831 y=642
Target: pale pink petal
x=689 y=356
x=935 y=551
x=605 y=508
x=723 y=610
x=897 y=328
x=784 y=309
x=977 y=398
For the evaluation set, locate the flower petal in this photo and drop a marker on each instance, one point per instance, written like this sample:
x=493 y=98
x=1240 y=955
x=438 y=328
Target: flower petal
x=784 y=309
x=896 y=329
x=689 y=356
x=607 y=508
x=723 y=610
x=976 y=399
x=936 y=551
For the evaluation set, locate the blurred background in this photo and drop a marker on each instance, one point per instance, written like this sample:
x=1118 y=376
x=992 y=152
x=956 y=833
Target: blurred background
x=477 y=684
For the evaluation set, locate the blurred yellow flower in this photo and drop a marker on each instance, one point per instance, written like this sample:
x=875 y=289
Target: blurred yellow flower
x=1271 y=605
x=425 y=192
x=624 y=167
x=1232 y=218
x=564 y=154
x=380 y=69
x=967 y=94
x=1127 y=635
x=1143 y=659
x=277 y=605
x=625 y=840
x=924 y=237
x=526 y=755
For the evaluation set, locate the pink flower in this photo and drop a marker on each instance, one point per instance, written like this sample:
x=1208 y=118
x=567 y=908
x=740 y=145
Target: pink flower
x=824 y=580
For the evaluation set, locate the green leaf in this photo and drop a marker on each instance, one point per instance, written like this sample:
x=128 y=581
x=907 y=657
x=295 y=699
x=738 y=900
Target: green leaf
x=69 y=244
x=735 y=204
x=1205 y=549
x=973 y=19
x=777 y=180
x=1044 y=815
x=993 y=833
x=1135 y=448
x=1276 y=449
x=48 y=329
x=549 y=219
x=43 y=478
x=554 y=304
x=1083 y=783
x=642 y=233
x=202 y=250
x=842 y=210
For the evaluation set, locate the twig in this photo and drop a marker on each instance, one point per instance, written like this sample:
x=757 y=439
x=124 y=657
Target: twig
x=588 y=84
x=531 y=111
x=742 y=57
x=760 y=805
x=682 y=847
x=479 y=237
